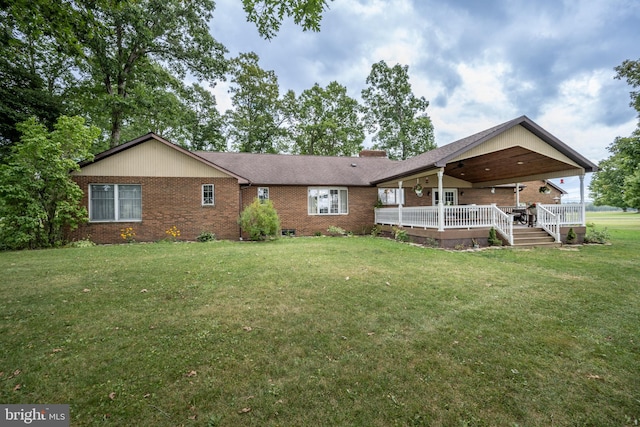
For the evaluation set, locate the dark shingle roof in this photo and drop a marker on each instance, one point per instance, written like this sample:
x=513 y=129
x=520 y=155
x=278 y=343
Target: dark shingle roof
x=285 y=169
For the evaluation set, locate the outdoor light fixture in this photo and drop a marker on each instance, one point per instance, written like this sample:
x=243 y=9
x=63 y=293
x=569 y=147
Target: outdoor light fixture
x=462 y=193
x=493 y=190
x=426 y=180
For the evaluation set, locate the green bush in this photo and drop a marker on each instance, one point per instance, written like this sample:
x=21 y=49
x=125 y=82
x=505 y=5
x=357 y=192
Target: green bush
x=260 y=220
x=336 y=231
x=571 y=236
x=596 y=236
x=493 y=238
x=84 y=243
x=206 y=236
x=400 y=235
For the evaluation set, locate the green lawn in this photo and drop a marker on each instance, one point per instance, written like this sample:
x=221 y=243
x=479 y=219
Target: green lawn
x=326 y=332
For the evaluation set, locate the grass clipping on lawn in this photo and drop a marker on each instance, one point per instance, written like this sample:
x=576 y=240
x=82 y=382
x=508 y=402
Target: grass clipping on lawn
x=321 y=331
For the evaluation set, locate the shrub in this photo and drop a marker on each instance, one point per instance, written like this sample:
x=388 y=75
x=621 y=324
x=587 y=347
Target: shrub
x=493 y=238
x=336 y=231
x=571 y=235
x=596 y=236
x=400 y=235
x=206 y=236
x=260 y=220
x=375 y=231
x=84 y=243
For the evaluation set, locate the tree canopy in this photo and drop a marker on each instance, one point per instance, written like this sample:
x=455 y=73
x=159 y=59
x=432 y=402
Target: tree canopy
x=111 y=60
x=617 y=182
x=38 y=199
x=399 y=119
x=256 y=124
x=325 y=121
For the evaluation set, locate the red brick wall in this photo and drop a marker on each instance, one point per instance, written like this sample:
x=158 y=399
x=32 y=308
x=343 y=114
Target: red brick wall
x=167 y=202
x=291 y=204
x=532 y=194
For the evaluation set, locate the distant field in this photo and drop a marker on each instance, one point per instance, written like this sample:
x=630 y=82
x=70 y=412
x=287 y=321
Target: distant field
x=617 y=220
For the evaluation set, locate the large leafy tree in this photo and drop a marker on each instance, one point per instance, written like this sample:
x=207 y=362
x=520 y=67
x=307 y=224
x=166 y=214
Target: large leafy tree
x=120 y=44
x=399 y=120
x=38 y=199
x=32 y=73
x=617 y=182
x=117 y=57
x=325 y=121
x=630 y=71
x=256 y=124
x=607 y=184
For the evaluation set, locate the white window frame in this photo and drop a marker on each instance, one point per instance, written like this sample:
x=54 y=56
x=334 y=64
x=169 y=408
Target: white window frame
x=263 y=194
x=116 y=200
x=389 y=196
x=206 y=202
x=453 y=192
x=342 y=200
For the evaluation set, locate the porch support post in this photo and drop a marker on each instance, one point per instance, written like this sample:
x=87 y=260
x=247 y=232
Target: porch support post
x=440 y=202
x=400 y=205
x=517 y=194
x=584 y=210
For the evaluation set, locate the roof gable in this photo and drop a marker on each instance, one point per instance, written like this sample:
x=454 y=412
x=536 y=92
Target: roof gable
x=492 y=140
x=151 y=155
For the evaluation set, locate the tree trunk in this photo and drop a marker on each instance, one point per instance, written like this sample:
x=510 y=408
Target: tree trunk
x=116 y=128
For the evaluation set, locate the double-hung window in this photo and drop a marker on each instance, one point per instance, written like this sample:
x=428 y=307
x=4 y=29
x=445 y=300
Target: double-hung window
x=115 y=202
x=207 y=195
x=328 y=201
x=450 y=196
x=263 y=194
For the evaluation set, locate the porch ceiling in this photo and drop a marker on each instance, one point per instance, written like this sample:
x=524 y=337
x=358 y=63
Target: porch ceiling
x=508 y=166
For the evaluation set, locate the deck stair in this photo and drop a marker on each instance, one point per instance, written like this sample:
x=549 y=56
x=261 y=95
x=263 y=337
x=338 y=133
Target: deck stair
x=532 y=237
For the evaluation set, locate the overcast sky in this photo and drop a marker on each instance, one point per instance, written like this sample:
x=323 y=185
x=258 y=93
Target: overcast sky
x=479 y=63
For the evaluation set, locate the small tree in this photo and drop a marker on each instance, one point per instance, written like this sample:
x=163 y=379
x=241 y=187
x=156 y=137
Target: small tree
x=38 y=199
x=260 y=220
x=493 y=238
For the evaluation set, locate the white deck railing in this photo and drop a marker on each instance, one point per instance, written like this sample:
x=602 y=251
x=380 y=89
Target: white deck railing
x=549 y=217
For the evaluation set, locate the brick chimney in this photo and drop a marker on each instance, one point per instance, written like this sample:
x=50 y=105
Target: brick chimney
x=373 y=153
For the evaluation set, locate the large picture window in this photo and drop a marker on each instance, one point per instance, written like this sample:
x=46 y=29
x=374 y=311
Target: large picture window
x=391 y=196
x=328 y=201
x=115 y=202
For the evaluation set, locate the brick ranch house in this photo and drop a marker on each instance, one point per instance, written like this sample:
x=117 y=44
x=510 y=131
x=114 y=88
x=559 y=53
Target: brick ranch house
x=151 y=185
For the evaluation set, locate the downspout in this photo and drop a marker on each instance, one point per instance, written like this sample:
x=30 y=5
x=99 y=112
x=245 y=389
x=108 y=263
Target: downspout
x=440 y=203
x=241 y=201
x=400 y=205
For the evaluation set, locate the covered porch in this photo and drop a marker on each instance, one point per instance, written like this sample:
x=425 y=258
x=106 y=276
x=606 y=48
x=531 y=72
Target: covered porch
x=469 y=186
x=461 y=224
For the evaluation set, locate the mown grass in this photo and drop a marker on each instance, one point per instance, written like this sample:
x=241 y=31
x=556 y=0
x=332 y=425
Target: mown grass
x=326 y=331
